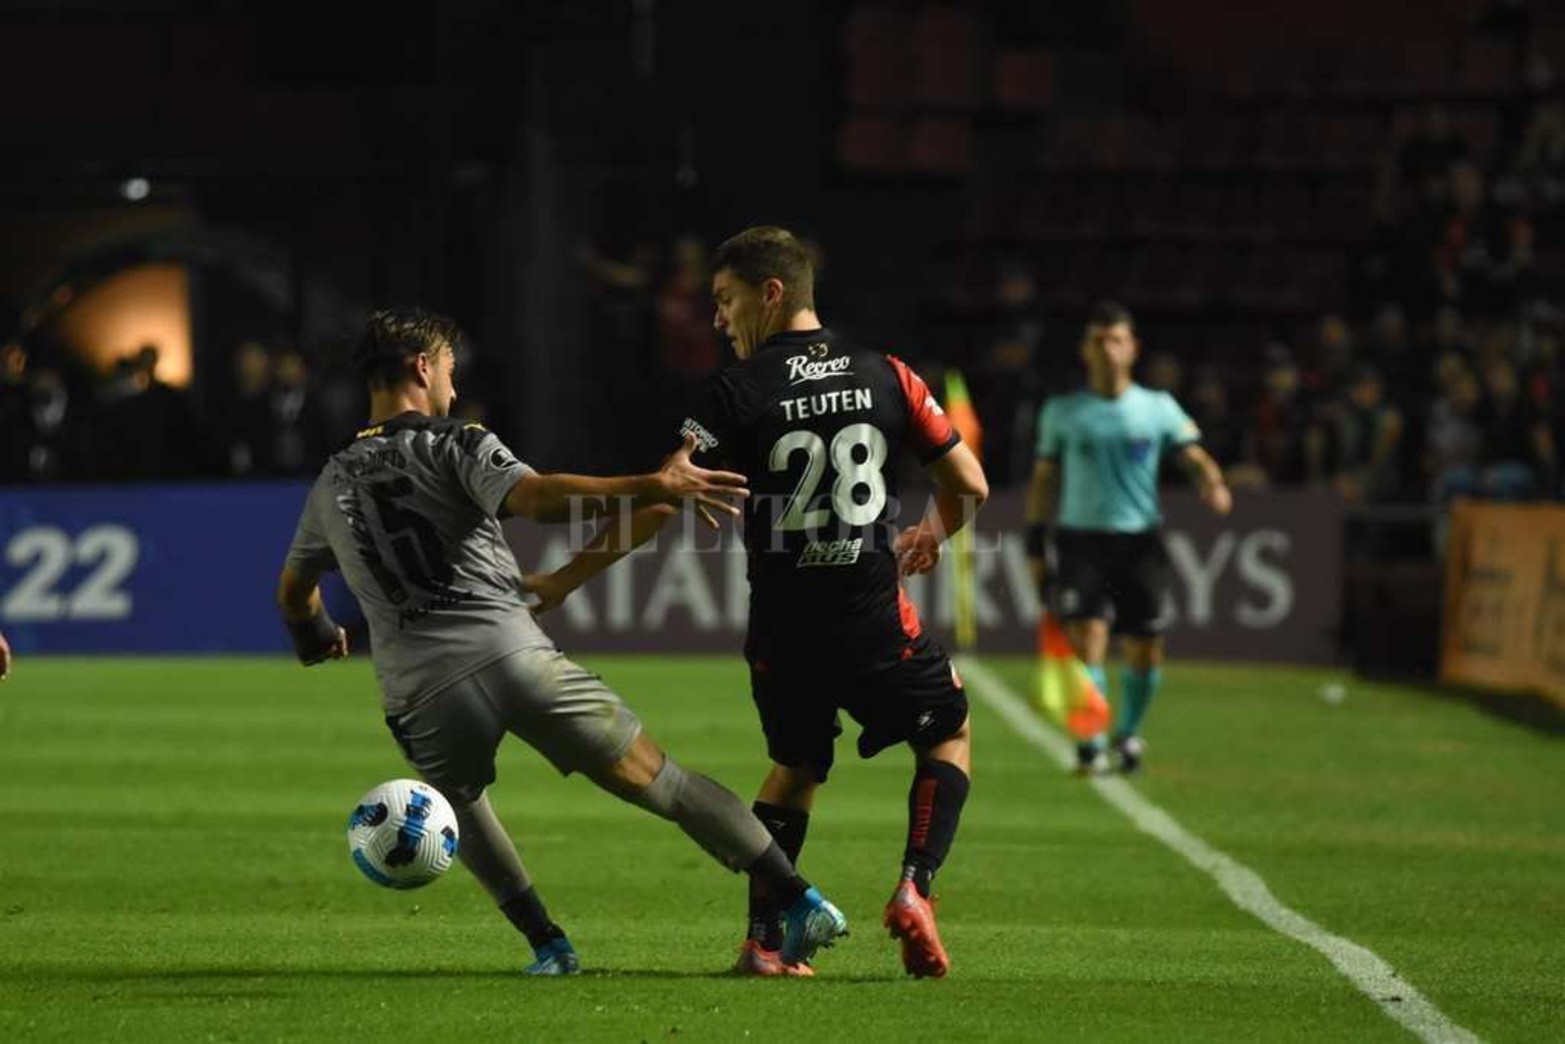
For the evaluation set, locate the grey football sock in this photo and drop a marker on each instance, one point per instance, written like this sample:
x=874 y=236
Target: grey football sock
x=710 y=813
x=488 y=852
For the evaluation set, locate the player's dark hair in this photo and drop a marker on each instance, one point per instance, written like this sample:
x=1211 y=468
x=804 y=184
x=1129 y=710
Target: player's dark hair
x=768 y=252
x=393 y=336
x=1110 y=313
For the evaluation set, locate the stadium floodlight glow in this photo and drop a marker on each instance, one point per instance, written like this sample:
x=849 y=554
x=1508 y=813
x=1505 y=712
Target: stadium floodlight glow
x=135 y=189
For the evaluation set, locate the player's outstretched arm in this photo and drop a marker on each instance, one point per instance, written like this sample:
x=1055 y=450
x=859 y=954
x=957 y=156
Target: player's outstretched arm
x=618 y=538
x=1208 y=478
x=566 y=498
x=5 y=658
x=316 y=637
x=960 y=490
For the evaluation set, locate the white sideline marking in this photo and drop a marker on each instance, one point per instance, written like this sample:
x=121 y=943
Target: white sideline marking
x=1374 y=977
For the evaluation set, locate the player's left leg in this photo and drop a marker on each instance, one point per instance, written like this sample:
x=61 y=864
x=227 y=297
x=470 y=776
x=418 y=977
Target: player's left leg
x=923 y=704
x=451 y=739
x=1146 y=583
x=1142 y=677
x=489 y=855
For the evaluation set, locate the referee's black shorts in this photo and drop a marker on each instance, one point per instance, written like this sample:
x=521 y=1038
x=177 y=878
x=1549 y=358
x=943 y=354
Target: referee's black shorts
x=1125 y=578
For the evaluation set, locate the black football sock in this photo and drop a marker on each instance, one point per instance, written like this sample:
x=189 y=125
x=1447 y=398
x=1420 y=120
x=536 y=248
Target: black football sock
x=773 y=872
x=934 y=806
x=788 y=827
x=527 y=913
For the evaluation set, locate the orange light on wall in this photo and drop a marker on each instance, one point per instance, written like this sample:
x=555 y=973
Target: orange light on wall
x=148 y=304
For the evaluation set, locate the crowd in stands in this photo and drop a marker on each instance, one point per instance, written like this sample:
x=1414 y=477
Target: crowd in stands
x=1360 y=286
x=58 y=424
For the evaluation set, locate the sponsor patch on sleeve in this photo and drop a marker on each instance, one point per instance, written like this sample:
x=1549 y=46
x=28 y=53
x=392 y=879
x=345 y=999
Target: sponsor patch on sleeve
x=705 y=440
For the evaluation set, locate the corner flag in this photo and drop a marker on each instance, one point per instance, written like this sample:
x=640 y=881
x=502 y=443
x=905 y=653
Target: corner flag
x=1065 y=692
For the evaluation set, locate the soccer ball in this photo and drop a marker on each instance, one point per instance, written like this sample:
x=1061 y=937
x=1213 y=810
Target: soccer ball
x=403 y=834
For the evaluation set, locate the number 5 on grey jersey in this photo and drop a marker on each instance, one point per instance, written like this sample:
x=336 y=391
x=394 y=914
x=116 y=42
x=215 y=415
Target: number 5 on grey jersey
x=408 y=513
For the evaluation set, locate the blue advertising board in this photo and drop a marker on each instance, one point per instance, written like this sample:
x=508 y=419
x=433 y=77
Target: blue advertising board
x=174 y=568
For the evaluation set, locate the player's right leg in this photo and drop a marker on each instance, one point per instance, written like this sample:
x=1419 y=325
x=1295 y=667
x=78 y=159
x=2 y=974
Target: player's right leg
x=799 y=719
x=783 y=806
x=450 y=739
x=716 y=819
x=580 y=724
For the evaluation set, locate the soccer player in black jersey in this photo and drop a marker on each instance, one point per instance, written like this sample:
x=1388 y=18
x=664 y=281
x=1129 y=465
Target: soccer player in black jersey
x=817 y=423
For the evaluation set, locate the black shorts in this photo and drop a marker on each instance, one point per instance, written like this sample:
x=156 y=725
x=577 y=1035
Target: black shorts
x=1126 y=578
x=916 y=699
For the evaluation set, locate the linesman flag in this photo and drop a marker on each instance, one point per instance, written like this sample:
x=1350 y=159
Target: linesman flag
x=959 y=410
x=1065 y=692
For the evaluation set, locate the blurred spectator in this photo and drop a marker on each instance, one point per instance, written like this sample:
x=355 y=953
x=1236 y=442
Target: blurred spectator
x=1518 y=447
x=250 y=416
x=687 y=343
x=1207 y=403
x=1454 y=440
x=1165 y=373
x=298 y=425
x=43 y=437
x=1540 y=161
x=1284 y=439
x=1008 y=387
x=1479 y=251
x=1369 y=436
x=14 y=407
x=621 y=296
x=1429 y=150
x=147 y=429
x=1389 y=347
x=622 y=340
x=1328 y=375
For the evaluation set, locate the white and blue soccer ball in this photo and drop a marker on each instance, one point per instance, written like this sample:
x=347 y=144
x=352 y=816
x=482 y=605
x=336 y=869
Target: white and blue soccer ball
x=403 y=834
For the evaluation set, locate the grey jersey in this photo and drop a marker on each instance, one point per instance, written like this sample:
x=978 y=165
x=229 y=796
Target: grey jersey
x=408 y=513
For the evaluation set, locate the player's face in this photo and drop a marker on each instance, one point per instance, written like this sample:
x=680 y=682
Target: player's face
x=1109 y=350
x=744 y=315
x=442 y=377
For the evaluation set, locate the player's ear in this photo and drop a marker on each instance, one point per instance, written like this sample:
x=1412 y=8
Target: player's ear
x=772 y=291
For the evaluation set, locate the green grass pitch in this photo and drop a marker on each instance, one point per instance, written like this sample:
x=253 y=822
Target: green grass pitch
x=173 y=867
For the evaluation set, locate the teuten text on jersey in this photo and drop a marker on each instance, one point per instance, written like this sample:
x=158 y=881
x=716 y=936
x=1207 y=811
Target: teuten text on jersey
x=850 y=400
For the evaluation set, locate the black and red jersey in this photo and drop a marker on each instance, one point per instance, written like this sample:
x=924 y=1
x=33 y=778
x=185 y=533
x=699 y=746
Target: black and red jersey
x=817 y=425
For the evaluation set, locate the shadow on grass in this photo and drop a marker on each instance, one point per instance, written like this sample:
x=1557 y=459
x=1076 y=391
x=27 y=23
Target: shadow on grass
x=100 y=976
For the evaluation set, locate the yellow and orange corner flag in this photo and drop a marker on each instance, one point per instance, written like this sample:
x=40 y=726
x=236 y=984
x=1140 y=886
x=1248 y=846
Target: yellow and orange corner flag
x=1065 y=691
x=960 y=412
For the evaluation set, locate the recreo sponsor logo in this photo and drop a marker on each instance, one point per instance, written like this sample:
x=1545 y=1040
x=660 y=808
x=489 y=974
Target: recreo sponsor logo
x=802 y=368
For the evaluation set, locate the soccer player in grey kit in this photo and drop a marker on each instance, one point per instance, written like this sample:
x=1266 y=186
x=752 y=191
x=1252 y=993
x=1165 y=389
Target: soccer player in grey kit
x=408 y=512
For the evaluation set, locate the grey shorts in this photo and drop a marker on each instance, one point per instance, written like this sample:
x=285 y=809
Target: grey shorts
x=564 y=712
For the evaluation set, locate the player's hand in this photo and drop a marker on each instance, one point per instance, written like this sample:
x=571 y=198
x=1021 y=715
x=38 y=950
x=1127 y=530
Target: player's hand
x=5 y=658
x=712 y=491
x=1039 y=568
x=917 y=551
x=1219 y=498
x=337 y=650
x=547 y=588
